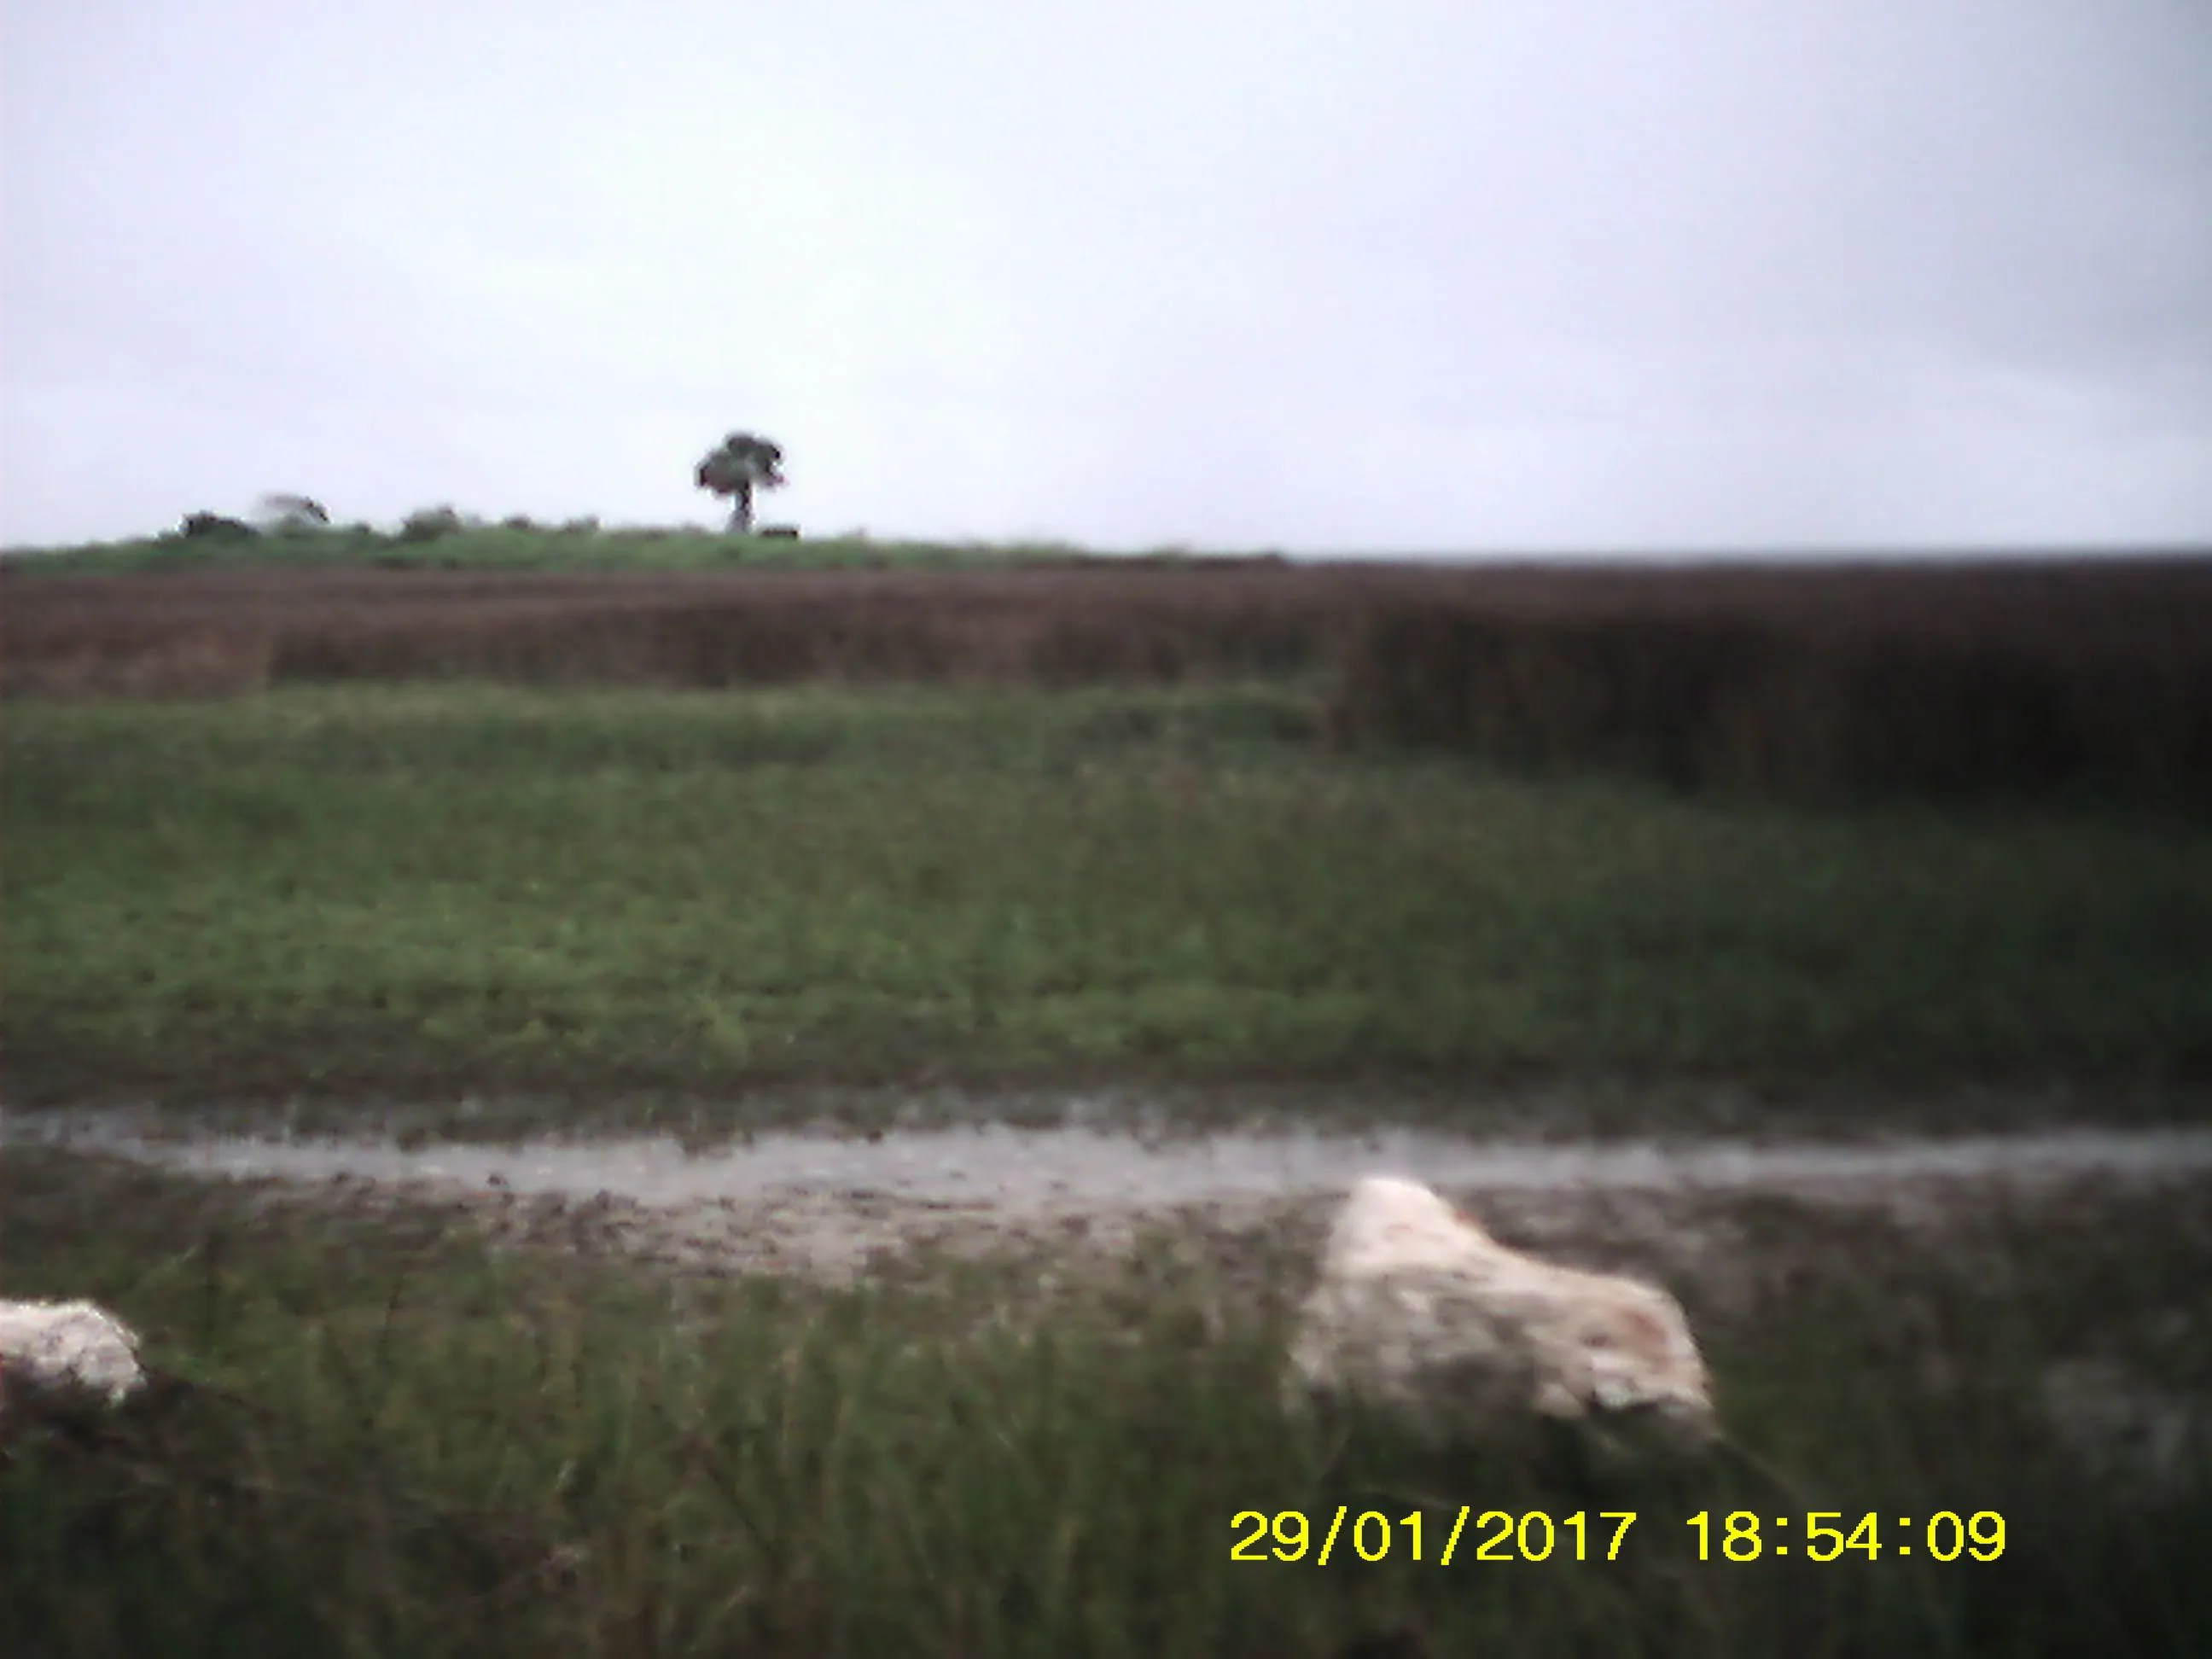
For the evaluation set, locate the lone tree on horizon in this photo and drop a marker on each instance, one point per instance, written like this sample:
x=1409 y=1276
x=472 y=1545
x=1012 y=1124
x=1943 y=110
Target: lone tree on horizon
x=733 y=470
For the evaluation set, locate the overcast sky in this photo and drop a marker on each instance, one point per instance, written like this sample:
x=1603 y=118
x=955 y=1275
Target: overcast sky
x=1420 y=275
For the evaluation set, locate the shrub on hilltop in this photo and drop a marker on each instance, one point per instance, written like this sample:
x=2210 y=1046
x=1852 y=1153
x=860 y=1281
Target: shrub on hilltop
x=201 y=526
x=429 y=524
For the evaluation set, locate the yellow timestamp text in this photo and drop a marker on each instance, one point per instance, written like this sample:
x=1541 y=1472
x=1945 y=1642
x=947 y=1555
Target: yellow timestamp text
x=1372 y=1536
x=1744 y=1536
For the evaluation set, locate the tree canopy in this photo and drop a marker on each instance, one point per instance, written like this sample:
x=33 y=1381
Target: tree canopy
x=741 y=462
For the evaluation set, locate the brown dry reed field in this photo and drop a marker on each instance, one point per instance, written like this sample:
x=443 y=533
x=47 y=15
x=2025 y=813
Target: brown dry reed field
x=2089 y=675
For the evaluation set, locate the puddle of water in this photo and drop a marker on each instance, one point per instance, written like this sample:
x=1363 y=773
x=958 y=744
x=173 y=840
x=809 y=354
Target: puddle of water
x=1002 y=1168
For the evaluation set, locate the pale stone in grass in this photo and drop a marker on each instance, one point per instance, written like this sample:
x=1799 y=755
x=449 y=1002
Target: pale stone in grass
x=67 y=1348
x=1420 y=1312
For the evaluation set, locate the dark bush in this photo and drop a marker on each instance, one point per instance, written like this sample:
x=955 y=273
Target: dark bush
x=198 y=525
x=289 y=513
x=430 y=523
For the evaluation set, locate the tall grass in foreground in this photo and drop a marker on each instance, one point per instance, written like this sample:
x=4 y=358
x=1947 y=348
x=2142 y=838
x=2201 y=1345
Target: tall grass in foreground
x=432 y=890
x=428 y=1450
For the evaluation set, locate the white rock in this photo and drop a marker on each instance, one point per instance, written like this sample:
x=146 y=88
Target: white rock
x=64 y=1347
x=1421 y=1312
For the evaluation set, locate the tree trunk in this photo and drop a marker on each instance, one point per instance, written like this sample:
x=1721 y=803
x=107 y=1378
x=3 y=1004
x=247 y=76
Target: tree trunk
x=741 y=509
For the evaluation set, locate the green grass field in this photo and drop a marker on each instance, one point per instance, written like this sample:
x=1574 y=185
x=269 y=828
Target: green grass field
x=432 y=890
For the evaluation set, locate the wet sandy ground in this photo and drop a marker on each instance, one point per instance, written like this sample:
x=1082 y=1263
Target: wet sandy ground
x=834 y=1204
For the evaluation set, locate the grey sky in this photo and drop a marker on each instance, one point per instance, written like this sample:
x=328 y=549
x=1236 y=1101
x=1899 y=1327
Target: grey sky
x=1468 y=276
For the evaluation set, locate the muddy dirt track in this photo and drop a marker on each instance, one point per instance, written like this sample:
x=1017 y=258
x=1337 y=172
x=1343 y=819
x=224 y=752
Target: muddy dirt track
x=831 y=1204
